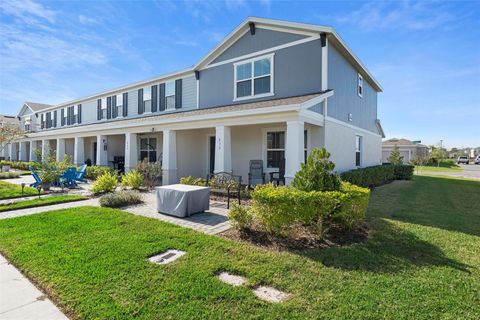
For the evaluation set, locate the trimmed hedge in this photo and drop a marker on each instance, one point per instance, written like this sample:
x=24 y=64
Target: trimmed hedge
x=375 y=176
x=93 y=172
x=21 y=165
x=280 y=210
x=120 y=199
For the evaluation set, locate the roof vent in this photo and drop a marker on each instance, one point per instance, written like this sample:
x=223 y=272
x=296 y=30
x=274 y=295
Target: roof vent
x=166 y=257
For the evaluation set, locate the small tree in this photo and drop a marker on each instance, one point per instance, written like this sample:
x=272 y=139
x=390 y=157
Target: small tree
x=395 y=157
x=9 y=132
x=317 y=173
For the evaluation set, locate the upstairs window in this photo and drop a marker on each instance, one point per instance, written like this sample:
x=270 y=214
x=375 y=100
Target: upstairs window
x=360 y=86
x=104 y=108
x=147 y=100
x=119 y=105
x=170 y=95
x=254 y=78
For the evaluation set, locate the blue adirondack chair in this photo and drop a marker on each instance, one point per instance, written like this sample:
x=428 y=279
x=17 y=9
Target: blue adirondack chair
x=38 y=181
x=81 y=174
x=68 y=177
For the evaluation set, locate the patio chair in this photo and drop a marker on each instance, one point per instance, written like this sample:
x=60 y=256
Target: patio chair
x=68 y=178
x=81 y=174
x=278 y=176
x=38 y=181
x=256 y=174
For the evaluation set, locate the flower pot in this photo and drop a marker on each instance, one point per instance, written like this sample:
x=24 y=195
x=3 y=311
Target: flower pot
x=5 y=168
x=46 y=186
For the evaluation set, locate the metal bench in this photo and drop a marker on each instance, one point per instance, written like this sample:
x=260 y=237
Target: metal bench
x=227 y=183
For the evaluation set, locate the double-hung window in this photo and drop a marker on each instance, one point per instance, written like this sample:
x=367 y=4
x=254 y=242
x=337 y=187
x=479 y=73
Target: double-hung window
x=104 y=108
x=119 y=105
x=170 y=95
x=360 y=85
x=147 y=99
x=254 y=78
x=358 y=151
x=275 y=148
x=148 y=149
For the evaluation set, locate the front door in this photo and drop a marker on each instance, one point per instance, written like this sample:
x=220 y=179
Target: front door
x=94 y=160
x=212 y=154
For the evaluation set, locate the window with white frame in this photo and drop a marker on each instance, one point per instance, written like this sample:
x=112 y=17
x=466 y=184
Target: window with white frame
x=254 y=78
x=148 y=149
x=75 y=114
x=275 y=148
x=170 y=95
x=147 y=99
x=360 y=85
x=358 y=151
x=104 y=108
x=119 y=105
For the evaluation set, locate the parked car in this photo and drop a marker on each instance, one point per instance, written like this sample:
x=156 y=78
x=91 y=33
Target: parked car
x=462 y=159
x=477 y=159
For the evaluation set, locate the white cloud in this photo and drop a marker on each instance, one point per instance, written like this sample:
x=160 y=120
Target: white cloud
x=22 y=9
x=86 y=20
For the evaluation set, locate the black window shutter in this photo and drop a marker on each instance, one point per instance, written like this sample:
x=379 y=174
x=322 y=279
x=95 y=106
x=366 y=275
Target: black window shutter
x=62 y=115
x=114 y=107
x=140 y=101
x=99 y=109
x=109 y=107
x=69 y=115
x=125 y=104
x=72 y=115
x=49 y=120
x=42 y=121
x=79 y=114
x=162 y=97
x=154 y=98
x=55 y=118
x=178 y=94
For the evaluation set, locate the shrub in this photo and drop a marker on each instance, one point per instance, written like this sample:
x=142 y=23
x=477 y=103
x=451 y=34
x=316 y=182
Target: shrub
x=132 y=179
x=104 y=183
x=352 y=205
x=395 y=157
x=193 y=181
x=93 y=172
x=403 y=172
x=370 y=177
x=317 y=173
x=151 y=172
x=120 y=199
x=20 y=165
x=240 y=216
x=9 y=175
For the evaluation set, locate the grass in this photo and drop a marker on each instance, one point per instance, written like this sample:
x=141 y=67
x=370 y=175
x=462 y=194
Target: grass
x=10 y=190
x=422 y=261
x=39 y=202
x=437 y=169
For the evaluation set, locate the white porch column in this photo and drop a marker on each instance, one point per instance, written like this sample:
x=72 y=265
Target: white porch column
x=294 y=149
x=6 y=151
x=45 y=149
x=79 y=151
x=223 y=149
x=13 y=151
x=60 y=149
x=102 y=152
x=22 y=156
x=131 y=151
x=169 y=161
x=33 y=147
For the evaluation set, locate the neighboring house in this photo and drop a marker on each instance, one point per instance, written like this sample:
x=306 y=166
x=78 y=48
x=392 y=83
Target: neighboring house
x=408 y=149
x=271 y=90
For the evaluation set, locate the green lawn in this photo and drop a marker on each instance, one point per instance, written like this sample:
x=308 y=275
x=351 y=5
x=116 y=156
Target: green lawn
x=10 y=190
x=422 y=261
x=437 y=169
x=44 y=201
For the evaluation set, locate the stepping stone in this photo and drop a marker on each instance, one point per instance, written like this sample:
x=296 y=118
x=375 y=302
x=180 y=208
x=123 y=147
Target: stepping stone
x=270 y=294
x=232 y=279
x=166 y=257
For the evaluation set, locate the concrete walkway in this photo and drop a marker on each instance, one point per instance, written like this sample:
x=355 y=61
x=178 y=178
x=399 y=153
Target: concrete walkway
x=20 y=299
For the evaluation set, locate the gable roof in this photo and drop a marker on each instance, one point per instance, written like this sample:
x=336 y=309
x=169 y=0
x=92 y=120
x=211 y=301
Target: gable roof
x=281 y=25
x=401 y=142
x=35 y=106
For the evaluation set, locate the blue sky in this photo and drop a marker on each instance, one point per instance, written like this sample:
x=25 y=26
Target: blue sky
x=425 y=54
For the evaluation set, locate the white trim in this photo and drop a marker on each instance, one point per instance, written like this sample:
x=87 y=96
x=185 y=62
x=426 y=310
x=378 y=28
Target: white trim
x=285 y=30
x=310 y=103
x=266 y=169
x=327 y=118
x=325 y=66
x=359 y=85
x=252 y=78
x=262 y=52
x=361 y=149
x=198 y=93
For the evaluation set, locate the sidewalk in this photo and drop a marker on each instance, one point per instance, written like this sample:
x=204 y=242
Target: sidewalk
x=20 y=299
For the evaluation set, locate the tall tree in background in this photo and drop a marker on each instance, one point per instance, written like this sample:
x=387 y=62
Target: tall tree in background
x=9 y=132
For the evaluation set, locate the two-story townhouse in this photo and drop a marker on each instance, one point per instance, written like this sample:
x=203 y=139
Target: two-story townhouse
x=271 y=90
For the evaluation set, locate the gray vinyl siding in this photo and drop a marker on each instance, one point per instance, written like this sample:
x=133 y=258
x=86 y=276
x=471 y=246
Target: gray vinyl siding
x=133 y=102
x=343 y=77
x=297 y=71
x=261 y=40
x=318 y=108
x=189 y=92
x=89 y=111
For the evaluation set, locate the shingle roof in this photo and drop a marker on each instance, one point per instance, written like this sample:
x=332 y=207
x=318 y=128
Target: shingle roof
x=400 y=142
x=35 y=106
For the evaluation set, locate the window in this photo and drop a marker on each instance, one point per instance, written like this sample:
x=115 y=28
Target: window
x=147 y=99
x=358 y=151
x=148 y=149
x=305 y=145
x=75 y=114
x=275 y=148
x=360 y=85
x=254 y=78
x=104 y=108
x=170 y=95
x=119 y=105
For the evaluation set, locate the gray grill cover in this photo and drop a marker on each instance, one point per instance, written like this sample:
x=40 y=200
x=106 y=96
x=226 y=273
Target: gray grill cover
x=182 y=200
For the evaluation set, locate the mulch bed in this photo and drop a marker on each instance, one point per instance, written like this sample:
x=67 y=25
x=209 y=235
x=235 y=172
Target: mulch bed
x=300 y=241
